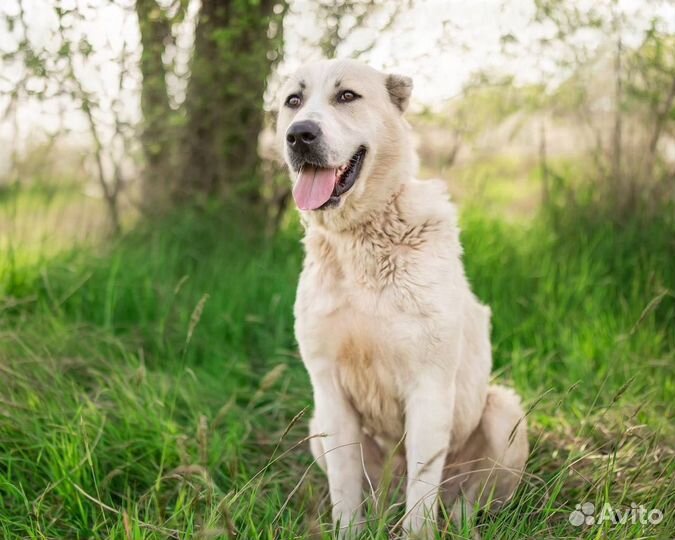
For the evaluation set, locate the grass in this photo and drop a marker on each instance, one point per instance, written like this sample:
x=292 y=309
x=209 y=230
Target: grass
x=151 y=386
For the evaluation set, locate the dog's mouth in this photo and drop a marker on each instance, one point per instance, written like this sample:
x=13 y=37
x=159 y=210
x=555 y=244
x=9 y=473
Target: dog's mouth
x=319 y=187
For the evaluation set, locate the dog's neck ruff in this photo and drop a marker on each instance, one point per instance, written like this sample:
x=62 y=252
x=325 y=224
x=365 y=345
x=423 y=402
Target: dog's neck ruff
x=353 y=220
x=375 y=251
x=383 y=252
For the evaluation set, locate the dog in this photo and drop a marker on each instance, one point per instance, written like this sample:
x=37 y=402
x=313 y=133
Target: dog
x=396 y=345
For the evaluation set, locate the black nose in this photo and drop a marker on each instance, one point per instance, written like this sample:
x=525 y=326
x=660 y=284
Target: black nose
x=303 y=134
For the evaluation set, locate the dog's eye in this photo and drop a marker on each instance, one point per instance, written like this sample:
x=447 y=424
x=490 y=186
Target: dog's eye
x=293 y=101
x=346 y=96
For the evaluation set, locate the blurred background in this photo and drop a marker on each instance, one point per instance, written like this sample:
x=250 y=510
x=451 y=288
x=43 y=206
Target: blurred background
x=150 y=385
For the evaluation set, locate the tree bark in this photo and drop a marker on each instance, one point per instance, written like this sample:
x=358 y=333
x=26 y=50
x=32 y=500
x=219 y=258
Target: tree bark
x=155 y=29
x=224 y=99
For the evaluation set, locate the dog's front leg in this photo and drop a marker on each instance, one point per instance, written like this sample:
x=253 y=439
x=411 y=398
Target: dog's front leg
x=429 y=414
x=336 y=418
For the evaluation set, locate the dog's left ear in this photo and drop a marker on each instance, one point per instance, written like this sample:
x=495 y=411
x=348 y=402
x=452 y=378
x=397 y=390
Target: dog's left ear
x=399 y=88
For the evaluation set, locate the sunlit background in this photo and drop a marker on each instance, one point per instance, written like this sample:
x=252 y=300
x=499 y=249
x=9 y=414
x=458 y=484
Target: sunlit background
x=545 y=74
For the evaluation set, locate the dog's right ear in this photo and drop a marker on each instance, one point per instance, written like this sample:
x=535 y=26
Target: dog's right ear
x=399 y=88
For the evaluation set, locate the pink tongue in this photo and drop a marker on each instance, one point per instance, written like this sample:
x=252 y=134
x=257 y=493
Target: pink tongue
x=314 y=187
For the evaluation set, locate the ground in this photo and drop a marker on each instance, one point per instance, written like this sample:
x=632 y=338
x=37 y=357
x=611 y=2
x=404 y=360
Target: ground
x=151 y=386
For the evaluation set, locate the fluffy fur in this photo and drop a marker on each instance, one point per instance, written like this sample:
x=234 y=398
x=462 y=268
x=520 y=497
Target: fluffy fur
x=396 y=345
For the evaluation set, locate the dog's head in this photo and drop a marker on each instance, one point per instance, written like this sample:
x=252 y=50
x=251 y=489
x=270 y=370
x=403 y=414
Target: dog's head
x=344 y=139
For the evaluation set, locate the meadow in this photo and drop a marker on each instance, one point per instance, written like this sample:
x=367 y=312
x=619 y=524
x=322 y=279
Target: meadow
x=150 y=385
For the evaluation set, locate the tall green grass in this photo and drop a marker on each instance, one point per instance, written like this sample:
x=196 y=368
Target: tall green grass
x=151 y=387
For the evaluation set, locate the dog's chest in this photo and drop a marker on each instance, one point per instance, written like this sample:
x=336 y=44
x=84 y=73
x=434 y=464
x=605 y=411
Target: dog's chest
x=371 y=382
x=367 y=315
x=376 y=346
x=372 y=342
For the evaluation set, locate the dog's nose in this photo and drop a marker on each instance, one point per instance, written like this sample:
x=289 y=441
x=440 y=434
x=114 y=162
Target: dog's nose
x=301 y=135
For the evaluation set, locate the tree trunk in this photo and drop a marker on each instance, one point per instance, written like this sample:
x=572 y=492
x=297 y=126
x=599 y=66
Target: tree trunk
x=224 y=99
x=156 y=139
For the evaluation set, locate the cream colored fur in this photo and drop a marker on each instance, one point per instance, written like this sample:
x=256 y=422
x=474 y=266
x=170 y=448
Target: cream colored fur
x=396 y=345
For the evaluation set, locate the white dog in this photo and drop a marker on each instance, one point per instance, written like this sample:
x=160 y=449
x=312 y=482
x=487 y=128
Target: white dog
x=396 y=345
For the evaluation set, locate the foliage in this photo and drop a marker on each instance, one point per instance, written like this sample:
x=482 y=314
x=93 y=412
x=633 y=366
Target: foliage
x=594 y=40
x=53 y=67
x=485 y=103
x=343 y=19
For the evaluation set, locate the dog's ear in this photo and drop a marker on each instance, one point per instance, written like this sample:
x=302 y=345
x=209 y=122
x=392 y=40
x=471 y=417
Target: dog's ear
x=399 y=88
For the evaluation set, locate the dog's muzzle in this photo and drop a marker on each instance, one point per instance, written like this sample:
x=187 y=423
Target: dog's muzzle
x=304 y=141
